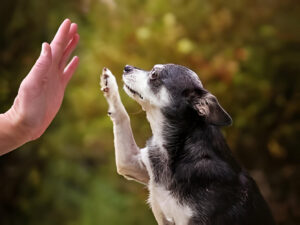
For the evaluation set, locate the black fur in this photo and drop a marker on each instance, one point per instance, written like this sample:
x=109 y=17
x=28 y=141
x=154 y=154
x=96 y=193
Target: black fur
x=200 y=170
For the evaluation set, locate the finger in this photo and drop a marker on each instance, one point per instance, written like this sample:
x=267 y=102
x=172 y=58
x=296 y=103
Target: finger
x=43 y=63
x=68 y=51
x=72 y=31
x=60 y=40
x=70 y=69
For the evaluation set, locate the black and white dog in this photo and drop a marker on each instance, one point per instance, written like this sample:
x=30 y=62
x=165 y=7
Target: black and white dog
x=188 y=168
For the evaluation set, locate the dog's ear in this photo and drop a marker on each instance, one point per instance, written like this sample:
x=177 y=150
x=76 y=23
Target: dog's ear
x=208 y=107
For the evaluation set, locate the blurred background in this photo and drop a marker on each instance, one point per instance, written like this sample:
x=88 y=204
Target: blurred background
x=246 y=52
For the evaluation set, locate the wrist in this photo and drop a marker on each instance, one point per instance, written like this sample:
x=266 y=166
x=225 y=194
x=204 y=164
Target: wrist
x=19 y=133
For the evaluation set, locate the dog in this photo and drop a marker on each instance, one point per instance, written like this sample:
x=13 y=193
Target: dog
x=187 y=166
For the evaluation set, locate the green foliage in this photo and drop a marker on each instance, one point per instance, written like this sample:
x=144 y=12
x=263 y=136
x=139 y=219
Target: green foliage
x=246 y=52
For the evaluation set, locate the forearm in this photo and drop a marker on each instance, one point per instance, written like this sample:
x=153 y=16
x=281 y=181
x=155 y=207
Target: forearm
x=128 y=154
x=12 y=135
x=124 y=142
x=125 y=146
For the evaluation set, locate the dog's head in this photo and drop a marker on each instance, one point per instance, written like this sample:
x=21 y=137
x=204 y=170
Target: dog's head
x=175 y=88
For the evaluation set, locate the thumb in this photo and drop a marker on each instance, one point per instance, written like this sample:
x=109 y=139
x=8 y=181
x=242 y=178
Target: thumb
x=44 y=61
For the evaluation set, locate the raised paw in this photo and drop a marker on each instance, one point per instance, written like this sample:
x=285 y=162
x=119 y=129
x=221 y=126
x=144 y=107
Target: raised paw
x=108 y=84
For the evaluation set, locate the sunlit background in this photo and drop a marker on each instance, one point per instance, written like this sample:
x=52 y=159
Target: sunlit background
x=246 y=52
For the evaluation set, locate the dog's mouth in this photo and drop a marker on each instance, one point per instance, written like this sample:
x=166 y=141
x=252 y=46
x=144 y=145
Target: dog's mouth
x=133 y=91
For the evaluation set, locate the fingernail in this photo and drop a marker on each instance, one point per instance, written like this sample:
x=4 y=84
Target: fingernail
x=67 y=21
x=43 y=52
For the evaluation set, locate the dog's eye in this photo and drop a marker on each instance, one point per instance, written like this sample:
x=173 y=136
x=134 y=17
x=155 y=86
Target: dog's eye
x=153 y=75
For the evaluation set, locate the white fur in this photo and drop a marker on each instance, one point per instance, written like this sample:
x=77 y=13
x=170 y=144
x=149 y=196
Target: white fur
x=173 y=211
x=155 y=118
x=159 y=66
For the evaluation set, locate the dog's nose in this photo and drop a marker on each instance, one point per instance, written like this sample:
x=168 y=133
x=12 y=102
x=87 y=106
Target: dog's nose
x=128 y=68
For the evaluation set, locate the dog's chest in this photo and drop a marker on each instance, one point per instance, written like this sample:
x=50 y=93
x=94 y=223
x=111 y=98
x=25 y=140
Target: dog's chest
x=173 y=211
x=161 y=199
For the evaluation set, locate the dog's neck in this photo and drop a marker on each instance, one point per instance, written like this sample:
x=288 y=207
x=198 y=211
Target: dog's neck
x=156 y=120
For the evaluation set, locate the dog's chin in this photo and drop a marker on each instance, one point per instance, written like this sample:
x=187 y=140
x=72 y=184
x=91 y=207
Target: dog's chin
x=133 y=93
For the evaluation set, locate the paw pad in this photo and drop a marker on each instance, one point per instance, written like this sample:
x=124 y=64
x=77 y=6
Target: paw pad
x=106 y=89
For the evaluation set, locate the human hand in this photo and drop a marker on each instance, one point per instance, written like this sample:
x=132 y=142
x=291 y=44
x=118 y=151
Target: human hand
x=41 y=92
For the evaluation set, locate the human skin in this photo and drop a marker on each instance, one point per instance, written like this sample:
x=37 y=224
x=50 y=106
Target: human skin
x=41 y=92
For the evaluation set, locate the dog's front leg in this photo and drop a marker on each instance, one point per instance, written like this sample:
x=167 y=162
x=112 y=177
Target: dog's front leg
x=128 y=157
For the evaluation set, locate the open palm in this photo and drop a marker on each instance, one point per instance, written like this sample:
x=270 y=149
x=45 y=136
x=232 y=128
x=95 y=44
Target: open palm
x=42 y=91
